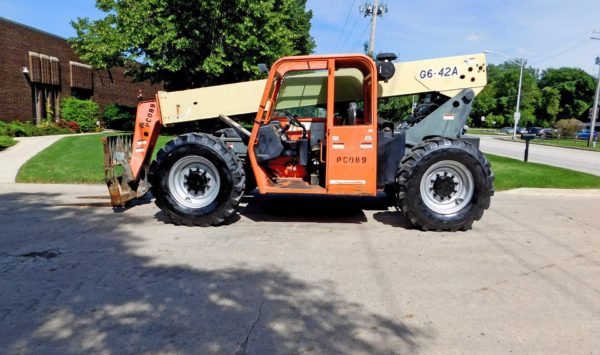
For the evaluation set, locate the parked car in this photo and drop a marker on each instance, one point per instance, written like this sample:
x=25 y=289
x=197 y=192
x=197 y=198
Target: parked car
x=507 y=130
x=521 y=130
x=549 y=133
x=535 y=130
x=585 y=134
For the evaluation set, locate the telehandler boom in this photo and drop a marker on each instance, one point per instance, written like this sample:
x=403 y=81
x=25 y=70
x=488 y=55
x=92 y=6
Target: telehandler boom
x=316 y=131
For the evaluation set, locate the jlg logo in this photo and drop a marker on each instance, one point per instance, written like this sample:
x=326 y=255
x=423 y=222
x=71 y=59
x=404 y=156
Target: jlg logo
x=352 y=160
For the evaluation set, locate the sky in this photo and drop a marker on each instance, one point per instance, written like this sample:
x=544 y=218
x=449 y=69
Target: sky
x=547 y=33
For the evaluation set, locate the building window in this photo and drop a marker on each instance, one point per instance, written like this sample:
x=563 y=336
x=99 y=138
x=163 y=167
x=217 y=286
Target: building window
x=81 y=76
x=44 y=69
x=44 y=73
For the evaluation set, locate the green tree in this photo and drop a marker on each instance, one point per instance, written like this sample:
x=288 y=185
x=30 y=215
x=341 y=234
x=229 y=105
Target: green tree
x=549 y=107
x=484 y=106
x=576 y=90
x=394 y=109
x=193 y=43
x=506 y=84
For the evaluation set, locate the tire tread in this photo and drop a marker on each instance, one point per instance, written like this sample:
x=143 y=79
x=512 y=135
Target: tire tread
x=232 y=162
x=408 y=168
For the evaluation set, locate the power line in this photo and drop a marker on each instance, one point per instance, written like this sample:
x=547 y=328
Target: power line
x=349 y=34
x=346 y=22
x=363 y=33
x=570 y=40
x=577 y=45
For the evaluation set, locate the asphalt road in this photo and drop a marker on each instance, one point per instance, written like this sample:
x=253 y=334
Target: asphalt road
x=574 y=159
x=290 y=275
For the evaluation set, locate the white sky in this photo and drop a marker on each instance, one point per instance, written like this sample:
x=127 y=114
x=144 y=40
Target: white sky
x=548 y=33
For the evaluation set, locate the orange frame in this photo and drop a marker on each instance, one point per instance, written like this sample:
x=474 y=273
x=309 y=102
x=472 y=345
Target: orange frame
x=358 y=137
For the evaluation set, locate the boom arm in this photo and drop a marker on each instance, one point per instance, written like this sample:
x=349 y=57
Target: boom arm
x=447 y=75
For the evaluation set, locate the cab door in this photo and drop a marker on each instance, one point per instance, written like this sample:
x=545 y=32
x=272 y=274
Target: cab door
x=352 y=129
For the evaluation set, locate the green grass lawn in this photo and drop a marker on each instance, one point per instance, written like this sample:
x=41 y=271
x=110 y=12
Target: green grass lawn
x=512 y=174
x=573 y=143
x=485 y=132
x=79 y=159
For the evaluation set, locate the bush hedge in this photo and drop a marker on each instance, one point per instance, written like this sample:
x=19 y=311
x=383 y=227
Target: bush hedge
x=119 y=117
x=26 y=129
x=6 y=142
x=84 y=112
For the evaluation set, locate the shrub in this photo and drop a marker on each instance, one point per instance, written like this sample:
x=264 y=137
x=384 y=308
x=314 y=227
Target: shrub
x=6 y=142
x=4 y=129
x=84 y=112
x=568 y=127
x=26 y=129
x=71 y=125
x=21 y=129
x=119 y=117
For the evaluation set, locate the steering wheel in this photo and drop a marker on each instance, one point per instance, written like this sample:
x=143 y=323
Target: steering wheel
x=293 y=120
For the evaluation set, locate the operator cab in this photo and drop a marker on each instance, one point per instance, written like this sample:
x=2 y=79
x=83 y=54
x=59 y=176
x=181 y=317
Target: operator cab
x=316 y=128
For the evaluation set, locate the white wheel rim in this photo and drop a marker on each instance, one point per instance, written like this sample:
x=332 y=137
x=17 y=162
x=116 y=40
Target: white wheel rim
x=447 y=187
x=189 y=193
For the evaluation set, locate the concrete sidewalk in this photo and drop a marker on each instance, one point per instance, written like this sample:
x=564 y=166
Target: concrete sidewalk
x=11 y=159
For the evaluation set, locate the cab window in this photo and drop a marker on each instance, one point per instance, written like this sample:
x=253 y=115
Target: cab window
x=302 y=93
x=352 y=100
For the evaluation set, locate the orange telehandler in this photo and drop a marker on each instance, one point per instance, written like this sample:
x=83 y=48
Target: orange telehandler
x=316 y=131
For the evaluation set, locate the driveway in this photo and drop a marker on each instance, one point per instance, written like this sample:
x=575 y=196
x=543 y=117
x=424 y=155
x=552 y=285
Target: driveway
x=295 y=275
x=574 y=159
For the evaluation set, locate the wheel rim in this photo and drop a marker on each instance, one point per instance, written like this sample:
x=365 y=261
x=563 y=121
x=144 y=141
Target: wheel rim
x=447 y=187
x=194 y=181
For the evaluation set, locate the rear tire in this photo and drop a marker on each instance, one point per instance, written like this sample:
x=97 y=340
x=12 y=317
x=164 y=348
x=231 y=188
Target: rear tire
x=197 y=180
x=444 y=185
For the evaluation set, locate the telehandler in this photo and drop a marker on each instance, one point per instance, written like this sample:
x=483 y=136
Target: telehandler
x=316 y=131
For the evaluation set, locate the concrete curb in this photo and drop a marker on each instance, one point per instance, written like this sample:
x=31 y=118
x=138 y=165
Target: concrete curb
x=553 y=192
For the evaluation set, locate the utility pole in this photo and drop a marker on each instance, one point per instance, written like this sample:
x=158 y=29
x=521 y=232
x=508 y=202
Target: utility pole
x=373 y=10
x=595 y=110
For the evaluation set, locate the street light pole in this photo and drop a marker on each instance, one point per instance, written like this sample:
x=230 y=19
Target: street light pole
x=595 y=111
x=517 y=116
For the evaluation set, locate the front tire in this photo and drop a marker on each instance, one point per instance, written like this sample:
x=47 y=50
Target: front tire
x=197 y=180
x=444 y=185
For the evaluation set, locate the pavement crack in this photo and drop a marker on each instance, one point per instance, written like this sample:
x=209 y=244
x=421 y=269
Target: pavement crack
x=46 y=254
x=244 y=344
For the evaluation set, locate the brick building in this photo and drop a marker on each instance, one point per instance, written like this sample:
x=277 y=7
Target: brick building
x=37 y=69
